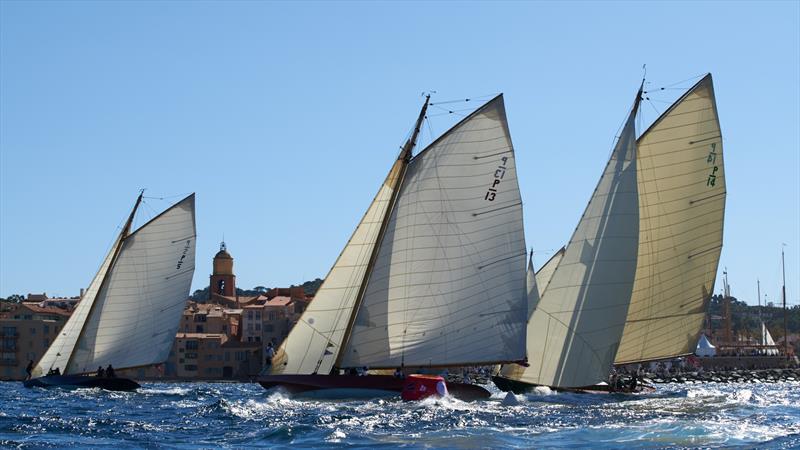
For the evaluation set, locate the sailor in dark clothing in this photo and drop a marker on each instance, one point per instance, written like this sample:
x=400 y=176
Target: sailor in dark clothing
x=55 y=371
x=100 y=372
x=110 y=372
x=29 y=370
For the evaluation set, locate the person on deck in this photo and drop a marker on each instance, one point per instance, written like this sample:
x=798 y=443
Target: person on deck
x=29 y=370
x=270 y=353
x=100 y=372
x=110 y=372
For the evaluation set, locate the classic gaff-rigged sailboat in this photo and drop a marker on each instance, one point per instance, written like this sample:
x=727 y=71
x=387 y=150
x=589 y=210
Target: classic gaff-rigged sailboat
x=129 y=314
x=636 y=277
x=433 y=276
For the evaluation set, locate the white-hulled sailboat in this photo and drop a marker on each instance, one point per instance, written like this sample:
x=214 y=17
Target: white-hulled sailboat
x=433 y=276
x=635 y=280
x=130 y=313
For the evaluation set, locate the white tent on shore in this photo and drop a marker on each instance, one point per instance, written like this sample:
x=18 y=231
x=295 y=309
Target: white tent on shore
x=704 y=347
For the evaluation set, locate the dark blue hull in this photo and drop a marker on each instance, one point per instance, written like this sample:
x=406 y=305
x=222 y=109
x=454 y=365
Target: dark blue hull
x=82 y=381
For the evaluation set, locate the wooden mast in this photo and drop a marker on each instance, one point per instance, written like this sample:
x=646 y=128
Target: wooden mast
x=404 y=157
x=123 y=234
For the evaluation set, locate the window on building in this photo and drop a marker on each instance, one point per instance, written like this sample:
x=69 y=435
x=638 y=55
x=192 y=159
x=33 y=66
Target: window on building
x=272 y=315
x=9 y=331
x=47 y=329
x=191 y=345
x=46 y=342
x=258 y=327
x=190 y=367
x=33 y=330
x=258 y=315
x=199 y=329
x=190 y=356
x=258 y=338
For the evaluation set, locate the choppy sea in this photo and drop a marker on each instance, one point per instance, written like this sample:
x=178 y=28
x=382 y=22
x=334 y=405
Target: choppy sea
x=210 y=415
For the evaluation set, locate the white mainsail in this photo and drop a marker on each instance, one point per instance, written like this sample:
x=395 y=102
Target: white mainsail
x=448 y=287
x=766 y=339
x=130 y=313
x=681 y=184
x=434 y=273
x=575 y=330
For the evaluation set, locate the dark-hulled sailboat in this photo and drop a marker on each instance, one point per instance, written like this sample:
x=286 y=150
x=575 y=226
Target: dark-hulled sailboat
x=432 y=277
x=128 y=316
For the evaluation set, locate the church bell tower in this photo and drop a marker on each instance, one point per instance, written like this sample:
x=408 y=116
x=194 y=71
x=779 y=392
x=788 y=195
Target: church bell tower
x=223 y=281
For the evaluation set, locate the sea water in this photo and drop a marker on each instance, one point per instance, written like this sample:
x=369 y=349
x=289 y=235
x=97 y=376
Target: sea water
x=206 y=415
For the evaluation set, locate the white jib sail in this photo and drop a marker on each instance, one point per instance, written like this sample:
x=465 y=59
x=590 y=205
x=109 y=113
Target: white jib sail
x=57 y=355
x=315 y=341
x=575 y=330
x=137 y=311
x=682 y=207
x=448 y=286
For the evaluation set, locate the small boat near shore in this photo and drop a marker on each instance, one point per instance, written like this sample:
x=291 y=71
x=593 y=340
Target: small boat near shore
x=82 y=381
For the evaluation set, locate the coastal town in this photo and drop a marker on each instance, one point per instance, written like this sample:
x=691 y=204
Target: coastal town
x=227 y=336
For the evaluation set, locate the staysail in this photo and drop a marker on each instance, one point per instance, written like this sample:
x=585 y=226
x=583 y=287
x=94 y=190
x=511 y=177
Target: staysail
x=575 y=330
x=681 y=183
x=545 y=273
x=448 y=287
x=130 y=313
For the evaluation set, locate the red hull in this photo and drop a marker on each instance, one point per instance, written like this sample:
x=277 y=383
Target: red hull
x=317 y=384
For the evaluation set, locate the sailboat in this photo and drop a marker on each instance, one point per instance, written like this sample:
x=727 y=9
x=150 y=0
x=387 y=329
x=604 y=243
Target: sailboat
x=432 y=277
x=634 y=281
x=130 y=313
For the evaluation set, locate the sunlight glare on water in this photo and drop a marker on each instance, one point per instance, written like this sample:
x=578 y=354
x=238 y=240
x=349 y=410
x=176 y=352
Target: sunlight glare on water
x=188 y=415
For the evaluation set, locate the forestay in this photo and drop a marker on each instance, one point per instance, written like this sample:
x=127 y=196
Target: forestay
x=448 y=286
x=682 y=203
x=575 y=330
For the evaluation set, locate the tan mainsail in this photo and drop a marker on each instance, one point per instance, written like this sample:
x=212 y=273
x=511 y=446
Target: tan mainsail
x=575 y=330
x=130 y=313
x=682 y=204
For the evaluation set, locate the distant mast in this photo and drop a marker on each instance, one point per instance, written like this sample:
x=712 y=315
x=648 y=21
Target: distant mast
x=785 y=327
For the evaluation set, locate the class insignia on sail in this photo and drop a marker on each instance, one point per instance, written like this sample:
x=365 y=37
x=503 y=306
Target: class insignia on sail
x=433 y=276
x=128 y=316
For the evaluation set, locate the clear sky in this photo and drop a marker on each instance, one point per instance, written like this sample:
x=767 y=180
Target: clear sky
x=285 y=118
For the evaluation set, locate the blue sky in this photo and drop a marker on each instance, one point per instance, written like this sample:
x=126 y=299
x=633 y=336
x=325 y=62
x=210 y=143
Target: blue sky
x=285 y=118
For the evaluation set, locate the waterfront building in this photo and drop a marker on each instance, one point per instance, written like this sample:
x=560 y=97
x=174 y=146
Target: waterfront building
x=26 y=331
